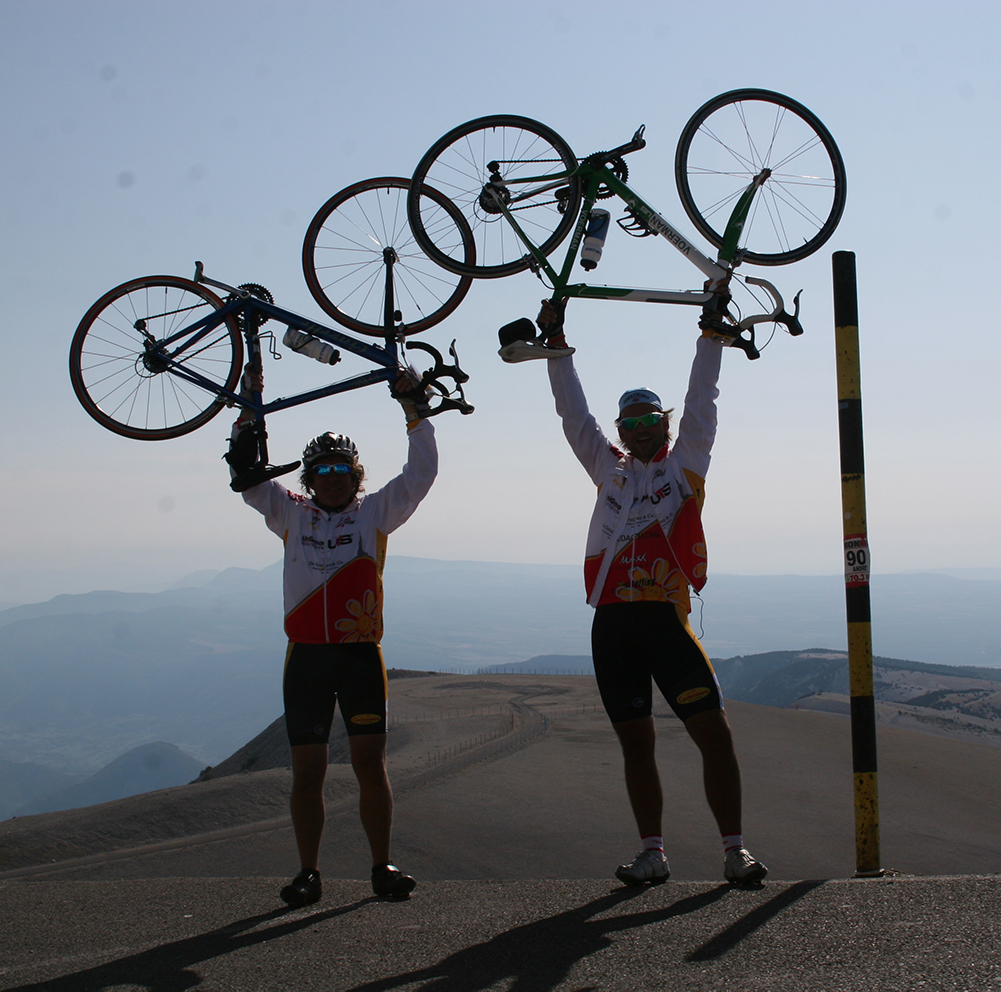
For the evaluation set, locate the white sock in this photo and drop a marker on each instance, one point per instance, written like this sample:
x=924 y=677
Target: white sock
x=653 y=843
x=732 y=842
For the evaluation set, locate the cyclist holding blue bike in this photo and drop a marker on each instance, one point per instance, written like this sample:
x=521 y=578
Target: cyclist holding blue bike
x=335 y=549
x=645 y=548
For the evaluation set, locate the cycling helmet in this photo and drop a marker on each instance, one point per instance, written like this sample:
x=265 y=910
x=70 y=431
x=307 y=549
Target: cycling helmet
x=328 y=444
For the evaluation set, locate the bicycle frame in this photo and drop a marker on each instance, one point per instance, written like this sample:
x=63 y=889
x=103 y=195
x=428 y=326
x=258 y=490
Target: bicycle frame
x=250 y=308
x=253 y=312
x=714 y=297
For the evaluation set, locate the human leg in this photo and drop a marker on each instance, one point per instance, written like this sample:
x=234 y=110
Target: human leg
x=623 y=678
x=309 y=709
x=626 y=691
x=721 y=777
x=309 y=769
x=363 y=692
x=375 y=802
x=638 y=739
x=710 y=730
x=368 y=758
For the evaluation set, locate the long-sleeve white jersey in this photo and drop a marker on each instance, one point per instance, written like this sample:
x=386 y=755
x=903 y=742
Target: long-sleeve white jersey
x=334 y=561
x=645 y=541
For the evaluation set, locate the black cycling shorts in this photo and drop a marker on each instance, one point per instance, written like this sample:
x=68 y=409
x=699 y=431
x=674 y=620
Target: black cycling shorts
x=317 y=676
x=634 y=644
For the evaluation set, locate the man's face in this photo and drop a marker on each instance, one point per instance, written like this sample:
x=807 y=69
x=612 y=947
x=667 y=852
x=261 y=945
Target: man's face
x=335 y=489
x=642 y=441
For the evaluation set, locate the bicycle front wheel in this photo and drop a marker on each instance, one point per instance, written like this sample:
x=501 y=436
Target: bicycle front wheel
x=344 y=257
x=522 y=160
x=130 y=351
x=747 y=136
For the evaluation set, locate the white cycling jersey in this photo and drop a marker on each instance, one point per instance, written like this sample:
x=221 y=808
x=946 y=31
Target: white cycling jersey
x=334 y=561
x=645 y=541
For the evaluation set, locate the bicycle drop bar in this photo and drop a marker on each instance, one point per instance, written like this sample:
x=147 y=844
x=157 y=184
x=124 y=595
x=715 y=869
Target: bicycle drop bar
x=779 y=314
x=432 y=377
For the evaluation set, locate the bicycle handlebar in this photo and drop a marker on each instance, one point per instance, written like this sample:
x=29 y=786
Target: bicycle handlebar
x=779 y=314
x=433 y=376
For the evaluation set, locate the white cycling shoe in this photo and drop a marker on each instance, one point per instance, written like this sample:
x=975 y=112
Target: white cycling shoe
x=739 y=868
x=647 y=866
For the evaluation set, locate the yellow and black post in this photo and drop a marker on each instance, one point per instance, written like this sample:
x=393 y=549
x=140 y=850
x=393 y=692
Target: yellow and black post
x=863 y=704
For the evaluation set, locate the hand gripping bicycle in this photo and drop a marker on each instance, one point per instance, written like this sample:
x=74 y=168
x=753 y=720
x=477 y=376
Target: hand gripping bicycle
x=758 y=174
x=160 y=356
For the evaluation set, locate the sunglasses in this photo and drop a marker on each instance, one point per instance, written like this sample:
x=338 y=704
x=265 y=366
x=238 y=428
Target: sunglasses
x=647 y=420
x=338 y=468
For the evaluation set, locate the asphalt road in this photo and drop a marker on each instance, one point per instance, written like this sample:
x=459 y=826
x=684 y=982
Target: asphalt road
x=513 y=852
x=891 y=935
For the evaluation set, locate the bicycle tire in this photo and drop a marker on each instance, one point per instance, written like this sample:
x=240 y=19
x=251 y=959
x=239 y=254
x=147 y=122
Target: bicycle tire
x=344 y=265
x=729 y=141
x=121 y=387
x=456 y=165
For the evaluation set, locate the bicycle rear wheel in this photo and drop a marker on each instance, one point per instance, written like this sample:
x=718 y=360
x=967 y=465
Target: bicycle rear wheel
x=524 y=154
x=123 y=379
x=343 y=257
x=745 y=134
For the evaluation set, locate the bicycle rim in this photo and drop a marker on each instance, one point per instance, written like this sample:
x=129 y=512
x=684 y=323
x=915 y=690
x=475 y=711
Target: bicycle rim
x=526 y=153
x=344 y=257
x=733 y=139
x=123 y=384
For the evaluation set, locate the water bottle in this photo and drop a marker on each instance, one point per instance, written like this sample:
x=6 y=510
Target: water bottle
x=306 y=344
x=594 y=238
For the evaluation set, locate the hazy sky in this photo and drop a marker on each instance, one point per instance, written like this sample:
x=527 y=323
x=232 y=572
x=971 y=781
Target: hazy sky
x=138 y=137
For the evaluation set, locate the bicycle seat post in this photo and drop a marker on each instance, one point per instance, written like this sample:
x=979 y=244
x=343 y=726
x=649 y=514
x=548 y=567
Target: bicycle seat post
x=390 y=315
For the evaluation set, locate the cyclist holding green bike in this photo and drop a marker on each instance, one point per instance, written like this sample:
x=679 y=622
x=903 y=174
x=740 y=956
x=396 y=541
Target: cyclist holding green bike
x=645 y=548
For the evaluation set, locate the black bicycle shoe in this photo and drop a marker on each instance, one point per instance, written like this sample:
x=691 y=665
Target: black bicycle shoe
x=304 y=889
x=389 y=881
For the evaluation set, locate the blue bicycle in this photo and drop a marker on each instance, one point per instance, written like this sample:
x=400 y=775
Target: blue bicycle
x=160 y=356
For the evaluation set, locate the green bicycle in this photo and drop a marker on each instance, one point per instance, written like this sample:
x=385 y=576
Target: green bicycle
x=759 y=176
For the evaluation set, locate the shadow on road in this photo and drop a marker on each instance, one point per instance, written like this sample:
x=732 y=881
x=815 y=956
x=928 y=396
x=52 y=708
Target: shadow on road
x=733 y=935
x=535 y=957
x=538 y=956
x=167 y=968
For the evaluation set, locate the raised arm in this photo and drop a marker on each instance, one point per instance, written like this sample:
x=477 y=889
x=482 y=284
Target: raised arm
x=697 y=429
x=587 y=440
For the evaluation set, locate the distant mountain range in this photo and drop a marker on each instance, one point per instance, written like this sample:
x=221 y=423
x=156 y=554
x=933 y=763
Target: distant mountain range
x=84 y=679
x=143 y=769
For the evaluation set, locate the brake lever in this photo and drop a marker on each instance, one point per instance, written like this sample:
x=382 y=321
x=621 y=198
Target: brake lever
x=746 y=345
x=791 y=320
x=433 y=376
